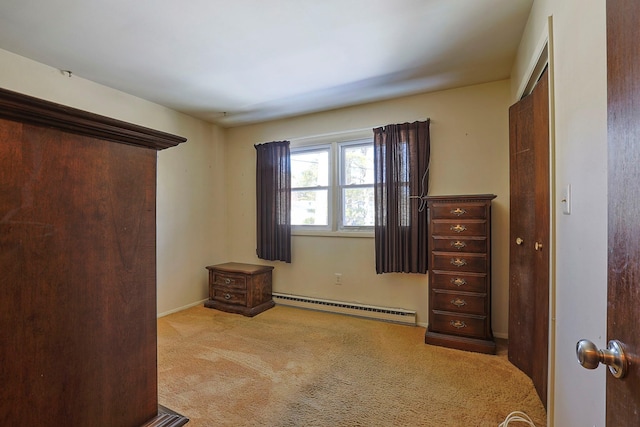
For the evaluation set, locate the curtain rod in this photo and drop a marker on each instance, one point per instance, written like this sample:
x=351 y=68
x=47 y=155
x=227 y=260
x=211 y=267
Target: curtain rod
x=330 y=134
x=343 y=133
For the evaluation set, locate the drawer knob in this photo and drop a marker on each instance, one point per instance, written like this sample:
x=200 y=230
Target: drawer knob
x=459 y=281
x=458 y=244
x=458 y=324
x=458 y=228
x=458 y=211
x=227 y=281
x=458 y=302
x=227 y=296
x=458 y=262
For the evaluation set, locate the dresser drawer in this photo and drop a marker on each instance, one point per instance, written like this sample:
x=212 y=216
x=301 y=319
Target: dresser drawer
x=468 y=282
x=228 y=295
x=466 y=262
x=230 y=280
x=459 y=302
x=458 y=210
x=459 y=244
x=458 y=324
x=446 y=227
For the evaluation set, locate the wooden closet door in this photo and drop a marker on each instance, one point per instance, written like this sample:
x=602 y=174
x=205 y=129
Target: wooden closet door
x=529 y=235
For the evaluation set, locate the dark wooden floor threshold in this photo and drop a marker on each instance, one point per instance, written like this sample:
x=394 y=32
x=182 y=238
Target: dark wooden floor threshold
x=167 y=418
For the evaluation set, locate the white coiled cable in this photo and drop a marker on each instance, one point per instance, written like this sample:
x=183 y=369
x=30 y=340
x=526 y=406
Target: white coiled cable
x=517 y=416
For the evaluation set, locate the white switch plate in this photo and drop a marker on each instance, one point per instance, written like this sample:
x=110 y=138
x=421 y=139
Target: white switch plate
x=566 y=200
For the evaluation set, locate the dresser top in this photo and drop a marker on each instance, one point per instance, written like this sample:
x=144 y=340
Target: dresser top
x=467 y=197
x=237 y=267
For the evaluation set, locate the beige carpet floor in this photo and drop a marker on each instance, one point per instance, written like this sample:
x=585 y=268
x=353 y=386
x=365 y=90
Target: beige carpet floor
x=295 y=367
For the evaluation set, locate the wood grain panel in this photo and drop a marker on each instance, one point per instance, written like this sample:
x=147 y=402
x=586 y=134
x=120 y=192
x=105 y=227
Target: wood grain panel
x=78 y=288
x=623 y=85
x=77 y=255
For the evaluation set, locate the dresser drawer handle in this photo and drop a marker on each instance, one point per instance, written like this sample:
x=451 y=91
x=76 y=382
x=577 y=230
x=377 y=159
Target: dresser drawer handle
x=227 y=296
x=458 y=228
x=227 y=281
x=458 y=262
x=458 y=302
x=458 y=211
x=458 y=244
x=458 y=324
x=458 y=281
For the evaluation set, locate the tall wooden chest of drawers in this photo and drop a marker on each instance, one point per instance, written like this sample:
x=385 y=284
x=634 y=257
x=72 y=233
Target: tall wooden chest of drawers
x=240 y=288
x=460 y=272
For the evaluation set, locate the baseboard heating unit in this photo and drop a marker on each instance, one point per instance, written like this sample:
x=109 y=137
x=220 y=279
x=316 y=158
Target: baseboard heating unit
x=396 y=315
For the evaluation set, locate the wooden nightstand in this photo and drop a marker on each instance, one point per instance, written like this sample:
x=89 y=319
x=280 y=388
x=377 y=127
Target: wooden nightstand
x=240 y=288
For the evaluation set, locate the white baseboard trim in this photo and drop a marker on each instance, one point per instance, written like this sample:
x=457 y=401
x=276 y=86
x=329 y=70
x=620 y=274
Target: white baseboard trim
x=396 y=315
x=184 y=307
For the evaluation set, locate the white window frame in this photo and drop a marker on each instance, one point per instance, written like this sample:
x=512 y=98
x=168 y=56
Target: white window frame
x=335 y=206
x=340 y=185
x=329 y=187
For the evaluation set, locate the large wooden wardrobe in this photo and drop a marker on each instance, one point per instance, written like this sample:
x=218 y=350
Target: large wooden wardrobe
x=78 y=268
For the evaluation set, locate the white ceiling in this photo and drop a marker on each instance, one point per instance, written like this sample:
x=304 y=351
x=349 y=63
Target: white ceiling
x=240 y=61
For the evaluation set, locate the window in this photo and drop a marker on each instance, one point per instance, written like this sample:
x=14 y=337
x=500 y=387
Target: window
x=310 y=195
x=356 y=185
x=332 y=187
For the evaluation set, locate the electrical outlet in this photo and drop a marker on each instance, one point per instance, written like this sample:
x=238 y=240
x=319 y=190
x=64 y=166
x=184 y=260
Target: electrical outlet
x=338 y=278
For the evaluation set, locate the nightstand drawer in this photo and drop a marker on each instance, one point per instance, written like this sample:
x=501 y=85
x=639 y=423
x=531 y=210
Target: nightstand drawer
x=458 y=324
x=230 y=280
x=459 y=244
x=445 y=227
x=229 y=295
x=459 y=302
x=466 y=262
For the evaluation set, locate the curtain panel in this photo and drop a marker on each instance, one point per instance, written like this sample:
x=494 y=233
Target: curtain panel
x=273 y=201
x=401 y=179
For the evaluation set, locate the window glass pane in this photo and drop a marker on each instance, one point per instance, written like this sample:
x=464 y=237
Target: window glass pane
x=403 y=162
x=309 y=207
x=357 y=164
x=404 y=206
x=358 y=208
x=310 y=168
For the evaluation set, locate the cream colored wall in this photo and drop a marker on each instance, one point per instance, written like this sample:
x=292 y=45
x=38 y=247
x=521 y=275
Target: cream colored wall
x=191 y=232
x=580 y=117
x=190 y=220
x=469 y=155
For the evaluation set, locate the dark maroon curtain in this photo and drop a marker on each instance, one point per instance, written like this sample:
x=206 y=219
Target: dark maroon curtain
x=401 y=167
x=273 y=201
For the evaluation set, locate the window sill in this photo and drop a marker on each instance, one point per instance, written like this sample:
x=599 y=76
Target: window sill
x=341 y=234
